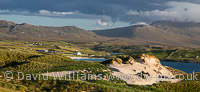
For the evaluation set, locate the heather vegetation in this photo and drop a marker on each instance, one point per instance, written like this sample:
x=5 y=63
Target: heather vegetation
x=165 y=53
x=40 y=63
x=192 y=86
x=23 y=56
x=16 y=61
x=74 y=86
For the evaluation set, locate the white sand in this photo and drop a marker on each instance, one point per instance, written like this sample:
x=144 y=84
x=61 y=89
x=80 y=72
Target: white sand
x=150 y=64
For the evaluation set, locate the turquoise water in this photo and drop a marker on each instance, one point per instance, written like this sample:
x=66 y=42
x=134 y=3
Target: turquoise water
x=186 y=67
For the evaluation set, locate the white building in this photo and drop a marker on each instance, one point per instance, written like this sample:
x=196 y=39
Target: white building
x=77 y=53
x=42 y=50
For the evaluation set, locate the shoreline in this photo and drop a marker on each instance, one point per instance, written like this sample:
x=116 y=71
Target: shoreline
x=86 y=58
x=179 y=61
x=162 y=60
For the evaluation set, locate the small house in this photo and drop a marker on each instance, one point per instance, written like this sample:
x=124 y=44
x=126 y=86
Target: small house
x=42 y=50
x=77 y=53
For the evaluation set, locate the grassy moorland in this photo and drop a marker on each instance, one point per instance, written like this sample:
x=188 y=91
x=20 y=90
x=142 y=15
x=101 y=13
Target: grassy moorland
x=100 y=49
x=34 y=62
x=7 y=90
x=187 y=84
x=22 y=56
x=165 y=53
x=57 y=47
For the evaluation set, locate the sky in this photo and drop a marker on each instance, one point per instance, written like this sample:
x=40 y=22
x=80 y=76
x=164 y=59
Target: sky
x=98 y=14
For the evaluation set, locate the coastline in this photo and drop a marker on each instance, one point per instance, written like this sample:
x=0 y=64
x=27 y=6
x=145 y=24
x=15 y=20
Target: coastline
x=179 y=61
x=162 y=60
x=86 y=58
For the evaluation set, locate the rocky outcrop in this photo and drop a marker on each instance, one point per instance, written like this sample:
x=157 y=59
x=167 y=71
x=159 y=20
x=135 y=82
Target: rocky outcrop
x=120 y=60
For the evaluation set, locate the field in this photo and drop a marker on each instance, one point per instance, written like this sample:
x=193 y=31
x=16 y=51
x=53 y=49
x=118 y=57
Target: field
x=7 y=90
x=165 y=53
x=182 y=86
x=99 y=49
x=23 y=56
x=17 y=59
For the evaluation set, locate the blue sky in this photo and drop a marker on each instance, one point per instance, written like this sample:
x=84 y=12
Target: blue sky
x=98 y=14
x=89 y=24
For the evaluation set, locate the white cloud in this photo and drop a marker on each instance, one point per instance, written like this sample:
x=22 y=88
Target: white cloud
x=62 y=13
x=46 y=13
x=4 y=11
x=14 y=12
x=133 y=12
x=176 y=11
x=54 y=13
x=41 y=12
x=140 y=23
x=100 y=23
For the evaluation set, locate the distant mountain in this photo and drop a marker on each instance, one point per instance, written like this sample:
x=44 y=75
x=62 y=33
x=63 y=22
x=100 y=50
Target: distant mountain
x=159 y=32
x=10 y=30
x=176 y=24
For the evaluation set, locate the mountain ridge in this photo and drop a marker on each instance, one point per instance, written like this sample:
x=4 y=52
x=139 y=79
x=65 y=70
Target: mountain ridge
x=161 y=32
x=30 y=32
x=158 y=32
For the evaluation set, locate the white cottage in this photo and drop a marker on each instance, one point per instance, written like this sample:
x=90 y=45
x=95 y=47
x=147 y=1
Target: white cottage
x=77 y=53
